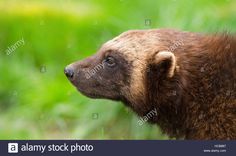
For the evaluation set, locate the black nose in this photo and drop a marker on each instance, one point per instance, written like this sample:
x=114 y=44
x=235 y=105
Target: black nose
x=69 y=72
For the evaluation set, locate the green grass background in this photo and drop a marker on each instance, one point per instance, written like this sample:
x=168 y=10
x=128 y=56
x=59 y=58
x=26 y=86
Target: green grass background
x=36 y=99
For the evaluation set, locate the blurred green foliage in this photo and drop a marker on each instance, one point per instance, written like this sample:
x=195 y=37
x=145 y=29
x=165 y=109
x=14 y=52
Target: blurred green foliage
x=36 y=99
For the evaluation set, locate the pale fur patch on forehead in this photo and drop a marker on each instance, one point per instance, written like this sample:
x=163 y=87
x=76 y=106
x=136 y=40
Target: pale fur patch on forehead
x=136 y=46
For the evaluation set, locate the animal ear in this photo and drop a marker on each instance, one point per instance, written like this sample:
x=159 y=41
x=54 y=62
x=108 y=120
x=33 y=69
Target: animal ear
x=166 y=60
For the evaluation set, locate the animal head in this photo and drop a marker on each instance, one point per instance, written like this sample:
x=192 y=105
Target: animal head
x=118 y=70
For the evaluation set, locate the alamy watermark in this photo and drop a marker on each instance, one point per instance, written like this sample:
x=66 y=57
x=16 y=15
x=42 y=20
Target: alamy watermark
x=15 y=46
x=175 y=45
x=148 y=22
x=90 y=73
x=148 y=116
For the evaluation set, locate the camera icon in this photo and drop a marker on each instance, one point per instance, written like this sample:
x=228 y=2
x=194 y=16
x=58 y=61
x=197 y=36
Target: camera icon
x=12 y=147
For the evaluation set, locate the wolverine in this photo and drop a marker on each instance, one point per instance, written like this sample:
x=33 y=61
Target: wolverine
x=188 y=78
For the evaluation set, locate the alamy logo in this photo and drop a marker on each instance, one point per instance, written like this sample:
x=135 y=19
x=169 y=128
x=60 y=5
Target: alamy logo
x=15 y=46
x=12 y=147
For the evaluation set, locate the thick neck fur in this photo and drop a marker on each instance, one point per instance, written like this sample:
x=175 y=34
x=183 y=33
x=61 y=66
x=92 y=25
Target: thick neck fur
x=166 y=96
x=189 y=105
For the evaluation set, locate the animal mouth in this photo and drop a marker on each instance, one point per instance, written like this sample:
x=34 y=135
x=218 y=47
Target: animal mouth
x=90 y=95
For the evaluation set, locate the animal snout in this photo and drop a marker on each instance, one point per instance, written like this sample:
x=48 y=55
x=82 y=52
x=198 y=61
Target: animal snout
x=69 y=72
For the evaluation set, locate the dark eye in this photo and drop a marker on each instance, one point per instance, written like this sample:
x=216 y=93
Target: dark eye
x=110 y=61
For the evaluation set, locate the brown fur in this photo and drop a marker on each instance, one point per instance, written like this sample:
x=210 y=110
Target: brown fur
x=193 y=89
